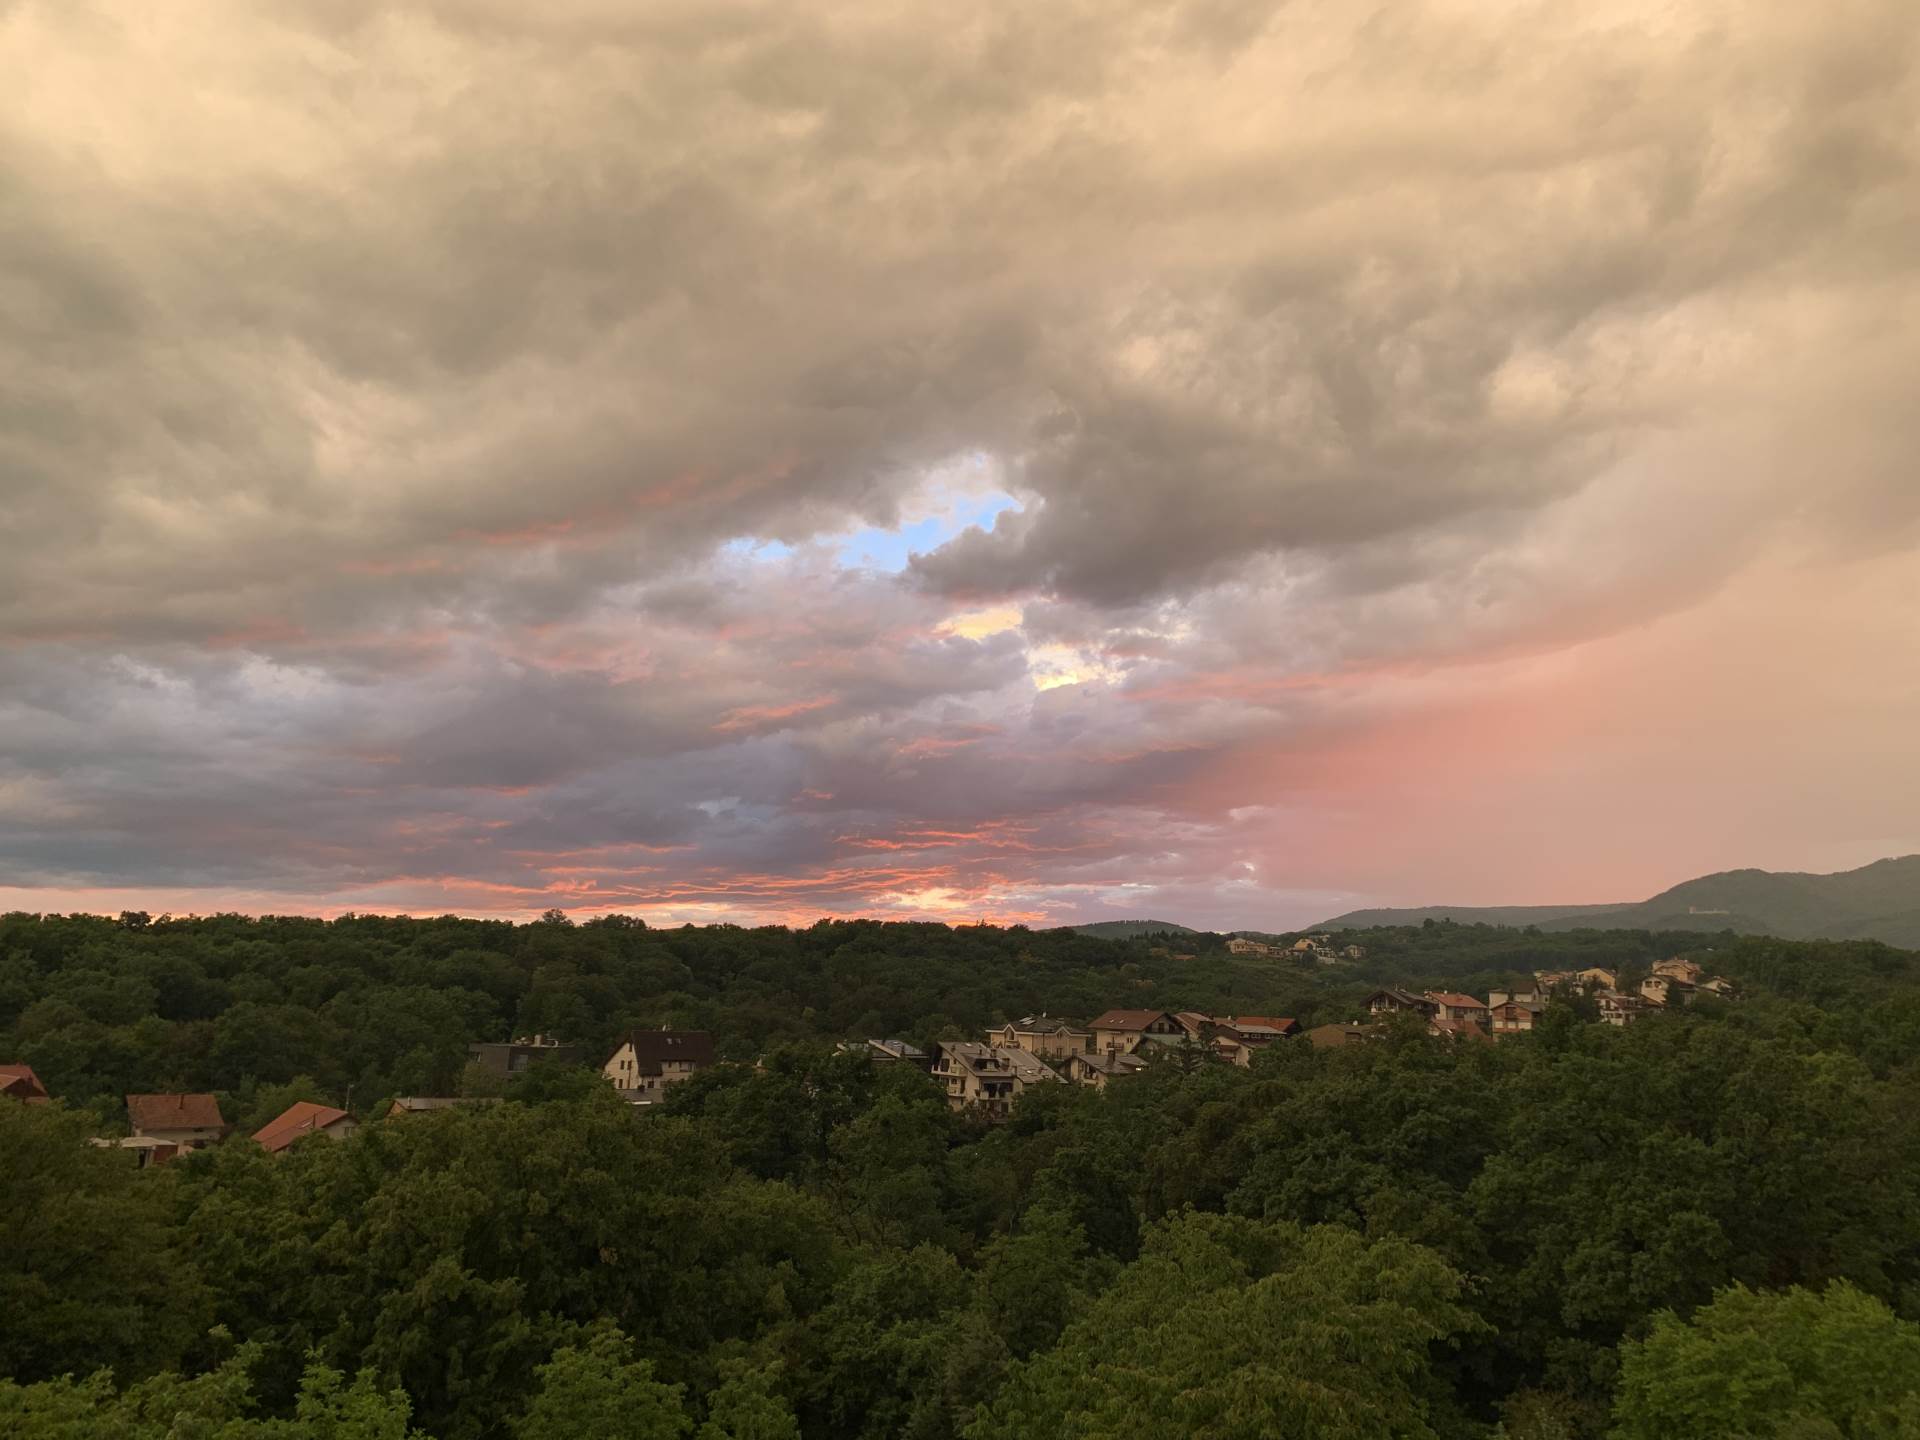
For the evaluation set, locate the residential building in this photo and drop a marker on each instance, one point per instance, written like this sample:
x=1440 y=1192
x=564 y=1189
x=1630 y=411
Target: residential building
x=1678 y=968
x=1282 y=1025
x=1047 y=1036
x=1512 y=1017
x=1593 y=978
x=1121 y=1032
x=1454 y=1010
x=1098 y=1070
x=302 y=1119
x=404 y=1105
x=1715 y=985
x=18 y=1082
x=1618 y=1009
x=187 y=1122
x=647 y=1062
x=1240 y=945
x=1391 y=1001
x=1193 y=1024
x=1525 y=995
x=986 y=1078
x=1341 y=1033
x=510 y=1057
x=1667 y=990
x=1238 y=1037
x=893 y=1051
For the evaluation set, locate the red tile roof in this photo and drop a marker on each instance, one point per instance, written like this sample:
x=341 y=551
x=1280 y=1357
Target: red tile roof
x=1459 y=1002
x=1129 y=1019
x=1272 y=1022
x=302 y=1118
x=20 y=1083
x=174 y=1112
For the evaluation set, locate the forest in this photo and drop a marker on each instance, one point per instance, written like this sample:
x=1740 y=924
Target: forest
x=1704 y=1224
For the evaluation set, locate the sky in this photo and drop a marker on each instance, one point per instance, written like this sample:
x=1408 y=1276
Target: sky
x=1221 y=461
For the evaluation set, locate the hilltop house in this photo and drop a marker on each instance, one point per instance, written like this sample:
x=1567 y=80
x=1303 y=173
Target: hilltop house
x=1667 y=989
x=18 y=1082
x=1678 y=968
x=893 y=1052
x=987 y=1078
x=1391 y=1001
x=648 y=1061
x=1513 y=1017
x=1240 y=945
x=1453 y=1010
x=1618 y=1009
x=305 y=1118
x=1044 y=1035
x=511 y=1057
x=1121 y=1032
x=1595 y=977
x=404 y=1105
x=1098 y=1070
x=186 y=1122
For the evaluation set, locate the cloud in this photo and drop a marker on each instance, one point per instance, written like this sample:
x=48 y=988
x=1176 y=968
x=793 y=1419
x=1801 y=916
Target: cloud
x=438 y=439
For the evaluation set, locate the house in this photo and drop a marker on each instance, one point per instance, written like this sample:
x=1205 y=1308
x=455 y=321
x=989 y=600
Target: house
x=510 y=1057
x=300 y=1120
x=185 y=1122
x=1667 y=989
x=1678 y=968
x=1513 y=1017
x=1282 y=1025
x=896 y=1051
x=986 y=1078
x=18 y=1082
x=1193 y=1024
x=1715 y=985
x=1097 y=1070
x=1618 y=1009
x=1240 y=945
x=1528 y=995
x=1121 y=1032
x=1341 y=1033
x=404 y=1105
x=1593 y=978
x=1047 y=1036
x=647 y=1062
x=1391 y=1001
x=144 y=1149
x=1453 y=1010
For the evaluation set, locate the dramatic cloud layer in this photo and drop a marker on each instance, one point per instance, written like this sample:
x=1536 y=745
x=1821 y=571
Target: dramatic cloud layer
x=1220 y=460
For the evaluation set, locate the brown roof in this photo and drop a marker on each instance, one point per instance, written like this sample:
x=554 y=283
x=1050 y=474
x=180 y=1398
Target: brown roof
x=1130 y=1019
x=1458 y=1001
x=302 y=1118
x=19 y=1082
x=652 y=1047
x=174 y=1112
x=1272 y=1022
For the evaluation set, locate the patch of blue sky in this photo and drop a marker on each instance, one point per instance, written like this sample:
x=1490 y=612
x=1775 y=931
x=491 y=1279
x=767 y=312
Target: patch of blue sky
x=875 y=548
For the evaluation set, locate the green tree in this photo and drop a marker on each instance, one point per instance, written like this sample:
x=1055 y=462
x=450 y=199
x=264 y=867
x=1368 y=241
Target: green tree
x=746 y=1406
x=1790 y=1363
x=598 y=1390
x=92 y=1272
x=1232 y=1329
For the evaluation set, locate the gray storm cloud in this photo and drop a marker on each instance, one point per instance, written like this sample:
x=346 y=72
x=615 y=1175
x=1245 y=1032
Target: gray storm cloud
x=379 y=384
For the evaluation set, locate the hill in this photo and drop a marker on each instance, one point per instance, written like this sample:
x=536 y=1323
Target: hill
x=1880 y=901
x=1129 y=929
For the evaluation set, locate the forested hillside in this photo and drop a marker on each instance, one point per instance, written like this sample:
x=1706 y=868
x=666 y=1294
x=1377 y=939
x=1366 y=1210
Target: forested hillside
x=1880 y=901
x=1679 y=1228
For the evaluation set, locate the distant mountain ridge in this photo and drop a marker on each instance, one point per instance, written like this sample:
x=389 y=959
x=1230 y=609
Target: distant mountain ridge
x=1880 y=901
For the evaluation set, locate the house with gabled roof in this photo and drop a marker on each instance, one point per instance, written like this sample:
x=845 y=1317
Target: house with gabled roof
x=1098 y=1070
x=186 y=1122
x=1047 y=1036
x=645 y=1064
x=1121 y=1032
x=18 y=1082
x=987 y=1079
x=1453 y=1009
x=301 y=1119
x=1393 y=1001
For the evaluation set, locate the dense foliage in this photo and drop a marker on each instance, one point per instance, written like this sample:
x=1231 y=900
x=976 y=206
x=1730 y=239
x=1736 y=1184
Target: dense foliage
x=1557 y=1235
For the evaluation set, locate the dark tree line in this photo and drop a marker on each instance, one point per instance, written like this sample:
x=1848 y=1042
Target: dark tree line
x=1581 y=1232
